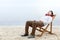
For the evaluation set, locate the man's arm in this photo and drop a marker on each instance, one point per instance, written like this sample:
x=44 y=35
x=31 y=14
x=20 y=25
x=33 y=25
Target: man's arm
x=53 y=17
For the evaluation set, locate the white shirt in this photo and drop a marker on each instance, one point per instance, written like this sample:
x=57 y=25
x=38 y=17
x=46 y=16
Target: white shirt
x=46 y=19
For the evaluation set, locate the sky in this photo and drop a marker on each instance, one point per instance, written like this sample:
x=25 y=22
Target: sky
x=17 y=12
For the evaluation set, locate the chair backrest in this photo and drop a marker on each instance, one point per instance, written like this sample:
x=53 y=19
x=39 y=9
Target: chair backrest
x=54 y=17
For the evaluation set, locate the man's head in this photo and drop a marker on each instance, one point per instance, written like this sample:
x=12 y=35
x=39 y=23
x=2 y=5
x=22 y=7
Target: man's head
x=50 y=13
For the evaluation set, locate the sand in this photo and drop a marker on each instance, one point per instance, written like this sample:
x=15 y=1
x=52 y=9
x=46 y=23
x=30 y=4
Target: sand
x=14 y=33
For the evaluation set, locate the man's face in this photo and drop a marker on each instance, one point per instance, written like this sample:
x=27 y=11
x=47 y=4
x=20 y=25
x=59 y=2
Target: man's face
x=49 y=13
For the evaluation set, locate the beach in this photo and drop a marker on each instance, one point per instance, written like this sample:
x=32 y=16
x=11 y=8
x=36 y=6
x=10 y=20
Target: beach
x=15 y=32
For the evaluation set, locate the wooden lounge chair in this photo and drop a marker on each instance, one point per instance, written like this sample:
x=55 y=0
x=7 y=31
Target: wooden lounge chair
x=45 y=29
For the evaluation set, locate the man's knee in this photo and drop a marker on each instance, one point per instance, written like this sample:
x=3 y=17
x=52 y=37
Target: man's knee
x=28 y=22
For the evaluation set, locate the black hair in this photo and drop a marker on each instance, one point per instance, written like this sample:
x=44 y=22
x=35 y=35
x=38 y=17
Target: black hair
x=51 y=12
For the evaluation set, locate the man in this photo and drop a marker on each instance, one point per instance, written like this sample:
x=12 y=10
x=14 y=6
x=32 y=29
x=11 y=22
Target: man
x=47 y=19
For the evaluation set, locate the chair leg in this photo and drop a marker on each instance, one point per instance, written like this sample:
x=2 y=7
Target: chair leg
x=44 y=30
x=39 y=30
x=50 y=28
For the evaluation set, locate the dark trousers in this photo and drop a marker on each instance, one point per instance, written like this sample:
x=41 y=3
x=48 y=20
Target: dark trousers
x=34 y=25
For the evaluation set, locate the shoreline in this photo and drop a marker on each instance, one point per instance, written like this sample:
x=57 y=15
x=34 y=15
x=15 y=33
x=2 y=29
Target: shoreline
x=56 y=26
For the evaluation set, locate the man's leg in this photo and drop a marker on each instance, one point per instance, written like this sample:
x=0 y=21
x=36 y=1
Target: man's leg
x=27 y=27
x=34 y=26
x=33 y=30
x=28 y=23
x=32 y=35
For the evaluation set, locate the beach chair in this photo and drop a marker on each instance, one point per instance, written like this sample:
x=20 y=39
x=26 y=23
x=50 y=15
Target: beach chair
x=45 y=29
